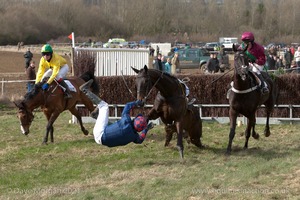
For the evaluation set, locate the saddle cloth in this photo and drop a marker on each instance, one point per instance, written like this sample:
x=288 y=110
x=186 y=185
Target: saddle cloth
x=71 y=87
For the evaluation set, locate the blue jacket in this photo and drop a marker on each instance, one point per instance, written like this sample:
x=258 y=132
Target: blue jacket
x=122 y=131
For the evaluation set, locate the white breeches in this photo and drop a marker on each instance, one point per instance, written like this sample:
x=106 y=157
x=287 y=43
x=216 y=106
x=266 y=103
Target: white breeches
x=61 y=74
x=256 y=68
x=101 y=121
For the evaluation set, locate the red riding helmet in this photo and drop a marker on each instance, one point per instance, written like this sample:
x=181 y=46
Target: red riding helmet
x=140 y=123
x=247 y=36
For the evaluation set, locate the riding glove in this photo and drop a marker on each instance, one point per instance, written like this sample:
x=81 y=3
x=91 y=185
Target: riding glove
x=45 y=86
x=150 y=126
x=139 y=103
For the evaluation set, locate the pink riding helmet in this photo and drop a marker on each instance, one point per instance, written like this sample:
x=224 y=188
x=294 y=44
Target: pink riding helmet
x=140 y=123
x=247 y=36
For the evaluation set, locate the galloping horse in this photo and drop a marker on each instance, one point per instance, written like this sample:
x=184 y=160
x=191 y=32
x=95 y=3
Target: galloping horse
x=53 y=103
x=245 y=97
x=170 y=103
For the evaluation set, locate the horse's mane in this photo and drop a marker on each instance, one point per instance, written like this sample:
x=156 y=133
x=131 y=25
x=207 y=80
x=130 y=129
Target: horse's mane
x=36 y=89
x=164 y=74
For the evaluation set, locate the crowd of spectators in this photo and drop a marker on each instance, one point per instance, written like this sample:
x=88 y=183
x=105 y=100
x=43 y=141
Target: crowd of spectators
x=287 y=58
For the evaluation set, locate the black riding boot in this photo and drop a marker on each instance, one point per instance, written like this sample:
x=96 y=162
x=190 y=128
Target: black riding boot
x=263 y=86
x=67 y=92
x=94 y=98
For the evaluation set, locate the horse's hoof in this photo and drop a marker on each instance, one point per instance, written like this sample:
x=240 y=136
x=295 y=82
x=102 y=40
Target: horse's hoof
x=86 y=132
x=256 y=136
x=267 y=133
x=44 y=143
x=180 y=149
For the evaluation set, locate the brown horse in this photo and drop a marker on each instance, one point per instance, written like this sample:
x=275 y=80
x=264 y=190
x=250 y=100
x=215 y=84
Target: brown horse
x=52 y=102
x=170 y=102
x=245 y=97
x=192 y=126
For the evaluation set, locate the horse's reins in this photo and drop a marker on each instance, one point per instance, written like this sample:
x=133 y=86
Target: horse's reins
x=161 y=76
x=220 y=76
x=249 y=89
x=127 y=84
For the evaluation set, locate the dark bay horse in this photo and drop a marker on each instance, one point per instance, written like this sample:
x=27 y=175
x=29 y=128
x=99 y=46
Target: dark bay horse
x=192 y=126
x=245 y=97
x=170 y=103
x=52 y=102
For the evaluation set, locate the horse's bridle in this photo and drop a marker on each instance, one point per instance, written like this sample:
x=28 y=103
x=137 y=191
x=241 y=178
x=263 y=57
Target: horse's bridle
x=149 y=85
x=28 y=115
x=243 y=65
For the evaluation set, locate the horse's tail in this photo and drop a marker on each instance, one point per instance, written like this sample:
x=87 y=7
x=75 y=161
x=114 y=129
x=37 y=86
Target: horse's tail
x=88 y=75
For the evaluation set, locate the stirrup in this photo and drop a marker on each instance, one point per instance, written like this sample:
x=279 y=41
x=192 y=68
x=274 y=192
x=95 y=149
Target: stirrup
x=192 y=101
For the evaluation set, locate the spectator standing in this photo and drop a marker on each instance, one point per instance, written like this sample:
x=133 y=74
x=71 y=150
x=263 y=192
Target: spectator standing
x=271 y=62
x=168 y=66
x=279 y=62
x=297 y=59
x=157 y=50
x=175 y=63
x=28 y=57
x=158 y=63
x=31 y=75
x=213 y=64
x=151 y=51
x=288 y=56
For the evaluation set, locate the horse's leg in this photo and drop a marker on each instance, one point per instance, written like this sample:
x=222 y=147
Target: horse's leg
x=233 y=116
x=254 y=134
x=51 y=134
x=49 y=127
x=250 y=126
x=267 y=131
x=45 y=140
x=169 y=134
x=152 y=114
x=75 y=112
x=179 y=138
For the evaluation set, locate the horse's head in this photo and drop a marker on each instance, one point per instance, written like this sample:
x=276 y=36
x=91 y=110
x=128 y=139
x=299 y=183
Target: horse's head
x=241 y=62
x=25 y=116
x=143 y=83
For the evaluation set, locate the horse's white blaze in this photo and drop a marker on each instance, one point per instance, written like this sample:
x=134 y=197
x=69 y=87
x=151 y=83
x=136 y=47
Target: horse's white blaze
x=22 y=129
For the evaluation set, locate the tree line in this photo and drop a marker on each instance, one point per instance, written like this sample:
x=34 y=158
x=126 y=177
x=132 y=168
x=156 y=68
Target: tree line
x=40 y=21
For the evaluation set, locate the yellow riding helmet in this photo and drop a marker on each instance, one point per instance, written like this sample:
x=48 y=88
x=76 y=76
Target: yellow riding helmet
x=47 y=49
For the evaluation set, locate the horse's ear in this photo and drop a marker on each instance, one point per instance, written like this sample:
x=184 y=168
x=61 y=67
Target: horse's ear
x=135 y=70
x=146 y=68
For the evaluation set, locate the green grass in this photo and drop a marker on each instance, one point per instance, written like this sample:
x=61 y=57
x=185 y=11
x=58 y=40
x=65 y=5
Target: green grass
x=75 y=167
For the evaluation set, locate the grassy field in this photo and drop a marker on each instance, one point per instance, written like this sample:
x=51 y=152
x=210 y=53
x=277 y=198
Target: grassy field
x=75 y=167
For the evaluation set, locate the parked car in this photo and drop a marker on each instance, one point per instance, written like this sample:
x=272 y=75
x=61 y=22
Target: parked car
x=211 y=46
x=98 y=44
x=114 y=43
